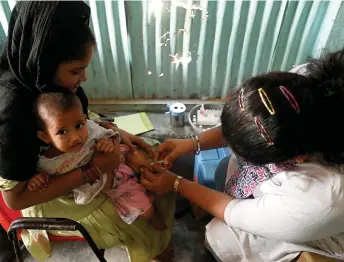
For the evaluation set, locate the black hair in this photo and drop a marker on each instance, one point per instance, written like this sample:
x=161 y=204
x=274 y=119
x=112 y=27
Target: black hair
x=74 y=42
x=327 y=73
x=53 y=103
x=312 y=128
x=66 y=45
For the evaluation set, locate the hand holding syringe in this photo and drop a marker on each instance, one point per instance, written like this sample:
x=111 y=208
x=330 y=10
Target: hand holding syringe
x=160 y=162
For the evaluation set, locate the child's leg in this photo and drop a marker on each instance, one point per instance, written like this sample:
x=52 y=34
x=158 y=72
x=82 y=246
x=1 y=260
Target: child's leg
x=132 y=202
x=147 y=216
x=157 y=222
x=154 y=218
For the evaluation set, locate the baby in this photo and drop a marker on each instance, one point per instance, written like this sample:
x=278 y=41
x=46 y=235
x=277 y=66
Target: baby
x=73 y=139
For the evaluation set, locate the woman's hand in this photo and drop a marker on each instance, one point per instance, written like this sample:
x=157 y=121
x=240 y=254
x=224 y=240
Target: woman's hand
x=107 y=162
x=130 y=140
x=133 y=141
x=160 y=181
x=171 y=149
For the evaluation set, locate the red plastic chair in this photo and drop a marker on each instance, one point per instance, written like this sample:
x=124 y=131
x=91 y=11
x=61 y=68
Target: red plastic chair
x=13 y=222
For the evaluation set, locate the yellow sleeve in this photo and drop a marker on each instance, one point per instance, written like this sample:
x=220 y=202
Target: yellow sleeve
x=93 y=116
x=7 y=184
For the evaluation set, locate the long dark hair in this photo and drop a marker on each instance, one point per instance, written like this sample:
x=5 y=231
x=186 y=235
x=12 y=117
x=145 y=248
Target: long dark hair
x=288 y=132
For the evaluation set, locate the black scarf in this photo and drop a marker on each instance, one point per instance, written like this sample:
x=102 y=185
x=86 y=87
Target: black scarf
x=27 y=66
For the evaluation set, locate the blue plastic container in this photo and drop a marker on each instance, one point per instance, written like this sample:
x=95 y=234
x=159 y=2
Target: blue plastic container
x=206 y=163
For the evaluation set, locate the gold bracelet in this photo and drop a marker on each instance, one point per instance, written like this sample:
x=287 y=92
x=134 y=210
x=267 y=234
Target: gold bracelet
x=176 y=183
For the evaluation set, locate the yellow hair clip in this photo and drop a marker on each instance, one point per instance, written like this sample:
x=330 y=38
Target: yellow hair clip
x=266 y=101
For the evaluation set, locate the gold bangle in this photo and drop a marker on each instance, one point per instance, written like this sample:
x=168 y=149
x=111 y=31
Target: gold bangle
x=197 y=144
x=176 y=183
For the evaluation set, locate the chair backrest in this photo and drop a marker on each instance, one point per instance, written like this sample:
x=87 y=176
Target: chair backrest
x=7 y=215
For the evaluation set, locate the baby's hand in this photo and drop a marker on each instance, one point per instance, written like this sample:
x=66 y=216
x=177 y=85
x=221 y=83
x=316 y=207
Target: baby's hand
x=105 y=145
x=38 y=183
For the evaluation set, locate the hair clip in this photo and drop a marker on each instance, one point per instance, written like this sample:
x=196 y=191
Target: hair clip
x=263 y=132
x=291 y=99
x=266 y=101
x=241 y=99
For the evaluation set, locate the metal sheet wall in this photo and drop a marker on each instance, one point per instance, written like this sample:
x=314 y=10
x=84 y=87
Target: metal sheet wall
x=195 y=49
x=220 y=43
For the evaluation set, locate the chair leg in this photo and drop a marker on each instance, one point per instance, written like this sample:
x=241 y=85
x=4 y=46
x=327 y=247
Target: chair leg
x=12 y=236
x=6 y=247
x=98 y=252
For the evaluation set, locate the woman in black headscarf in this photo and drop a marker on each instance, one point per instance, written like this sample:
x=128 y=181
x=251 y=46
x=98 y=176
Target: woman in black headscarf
x=49 y=46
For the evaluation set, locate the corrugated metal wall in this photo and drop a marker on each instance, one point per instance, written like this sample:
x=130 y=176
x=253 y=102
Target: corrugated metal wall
x=109 y=75
x=225 y=41
x=195 y=49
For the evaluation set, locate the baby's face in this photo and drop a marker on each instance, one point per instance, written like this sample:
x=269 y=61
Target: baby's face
x=67 y=131
x=137 y=159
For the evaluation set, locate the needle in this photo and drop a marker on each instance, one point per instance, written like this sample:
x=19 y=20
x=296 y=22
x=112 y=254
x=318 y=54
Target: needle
x=160 y=162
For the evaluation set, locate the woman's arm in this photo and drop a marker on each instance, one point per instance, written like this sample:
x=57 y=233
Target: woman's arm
x=129 y=140
x=172 y=149
x=20 y=197
x=210 y=200
x=291 y=210
x=283 y=217
x=212 y=138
